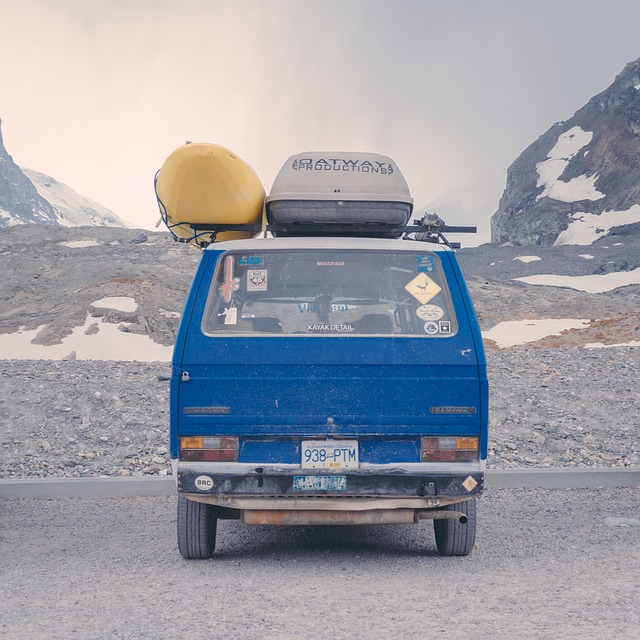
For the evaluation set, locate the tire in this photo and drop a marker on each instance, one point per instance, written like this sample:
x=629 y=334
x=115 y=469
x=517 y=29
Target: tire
x=196 y=529
x=454 y=538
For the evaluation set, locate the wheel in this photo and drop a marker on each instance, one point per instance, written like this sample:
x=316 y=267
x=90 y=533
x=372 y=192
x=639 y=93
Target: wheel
x=197 y=526
x=454 y=538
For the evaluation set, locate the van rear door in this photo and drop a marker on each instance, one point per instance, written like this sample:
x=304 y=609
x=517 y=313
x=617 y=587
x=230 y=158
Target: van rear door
x=283 y=344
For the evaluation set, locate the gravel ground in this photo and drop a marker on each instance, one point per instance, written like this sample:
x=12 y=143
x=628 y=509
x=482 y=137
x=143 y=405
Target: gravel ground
x=547 y=564
x=549 y=408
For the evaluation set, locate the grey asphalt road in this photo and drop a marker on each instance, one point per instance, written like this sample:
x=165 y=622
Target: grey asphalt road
x=547 y=564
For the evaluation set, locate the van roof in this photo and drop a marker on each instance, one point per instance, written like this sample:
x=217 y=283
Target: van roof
x=260 y=244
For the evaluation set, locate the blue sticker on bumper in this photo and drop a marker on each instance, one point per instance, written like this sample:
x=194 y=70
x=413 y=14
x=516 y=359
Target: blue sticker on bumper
x=319 y=483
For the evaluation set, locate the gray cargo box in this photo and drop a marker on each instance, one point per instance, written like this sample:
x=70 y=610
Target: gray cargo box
x=339 y=193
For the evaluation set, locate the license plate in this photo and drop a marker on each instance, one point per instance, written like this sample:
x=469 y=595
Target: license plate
x=319 y=483
x=329 y=454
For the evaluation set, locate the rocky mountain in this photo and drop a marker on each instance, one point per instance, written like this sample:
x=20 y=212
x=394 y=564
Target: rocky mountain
x=579 y=181
x=30 y=197
x=72 y=209
x=20 y=202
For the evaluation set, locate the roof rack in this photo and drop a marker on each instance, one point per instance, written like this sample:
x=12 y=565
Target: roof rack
x=431 y=228
x=422 y=231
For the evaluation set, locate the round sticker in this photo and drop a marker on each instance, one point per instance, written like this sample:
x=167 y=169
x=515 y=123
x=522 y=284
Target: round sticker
x=431 y=327
x=429 y=312
x=203 y=483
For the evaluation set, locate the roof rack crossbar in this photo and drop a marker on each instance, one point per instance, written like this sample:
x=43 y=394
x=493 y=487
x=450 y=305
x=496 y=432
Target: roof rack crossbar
x=431 y=228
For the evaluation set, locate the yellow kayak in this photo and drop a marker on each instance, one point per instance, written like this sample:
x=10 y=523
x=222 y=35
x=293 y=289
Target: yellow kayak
x=202 y=183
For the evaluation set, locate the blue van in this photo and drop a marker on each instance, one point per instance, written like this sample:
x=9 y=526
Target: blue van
x=330 y=374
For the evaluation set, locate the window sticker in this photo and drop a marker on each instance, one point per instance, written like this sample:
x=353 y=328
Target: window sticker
x=425 y=264
x=431 y=328
x=256 y=280
x=445 y=326
x=244 y=261
x=423 y=288
x=330 y=263
x=229 y=283
x=315 y=307
x=430 y=312
x=325 y=327
x=230 y=315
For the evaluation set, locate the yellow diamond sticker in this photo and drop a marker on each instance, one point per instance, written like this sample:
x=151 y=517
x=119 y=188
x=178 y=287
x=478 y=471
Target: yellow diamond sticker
x=423 y=288
x=470 y=484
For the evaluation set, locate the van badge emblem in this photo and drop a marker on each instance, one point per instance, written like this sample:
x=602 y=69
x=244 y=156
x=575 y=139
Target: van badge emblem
x=204 y=411
x=455 y=411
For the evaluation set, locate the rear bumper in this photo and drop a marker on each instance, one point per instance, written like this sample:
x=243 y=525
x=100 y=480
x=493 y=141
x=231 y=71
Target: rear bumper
x=233 y=484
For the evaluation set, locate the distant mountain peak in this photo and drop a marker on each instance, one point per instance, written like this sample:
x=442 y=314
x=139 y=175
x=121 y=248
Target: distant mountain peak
x=579 y=181
x=72 y=209
x=20 y=202
x=30 y=197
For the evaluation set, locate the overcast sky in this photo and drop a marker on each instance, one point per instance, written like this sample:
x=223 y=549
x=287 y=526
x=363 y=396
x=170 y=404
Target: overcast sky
x=97 y=93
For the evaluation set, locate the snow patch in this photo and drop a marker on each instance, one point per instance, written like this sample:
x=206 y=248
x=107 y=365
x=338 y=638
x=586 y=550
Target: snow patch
x=586 y=228
x=169 y=314
x=517 y=332
x=107 y=343
x=12 y=222
x=591 y=284
x=119 y=303
x=80 y=244
x=600 y=345
x=586 y=256
x=526 y=259
x=550 y=170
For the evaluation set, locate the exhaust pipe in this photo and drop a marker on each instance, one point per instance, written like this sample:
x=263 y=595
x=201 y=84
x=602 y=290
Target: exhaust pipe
x=441 y=514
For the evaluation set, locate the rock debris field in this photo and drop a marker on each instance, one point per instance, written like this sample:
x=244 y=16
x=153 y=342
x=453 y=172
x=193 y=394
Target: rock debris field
x=548 y=408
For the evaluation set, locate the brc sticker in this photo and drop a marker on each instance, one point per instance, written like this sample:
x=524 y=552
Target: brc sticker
x=203 y=483
x=423 y=288
x=430 y=312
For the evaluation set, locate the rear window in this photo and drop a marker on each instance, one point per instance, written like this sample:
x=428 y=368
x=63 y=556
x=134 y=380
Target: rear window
x=330 y=293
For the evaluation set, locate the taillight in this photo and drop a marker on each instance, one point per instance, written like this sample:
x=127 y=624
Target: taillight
x=209 y=448
x=449 y=448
